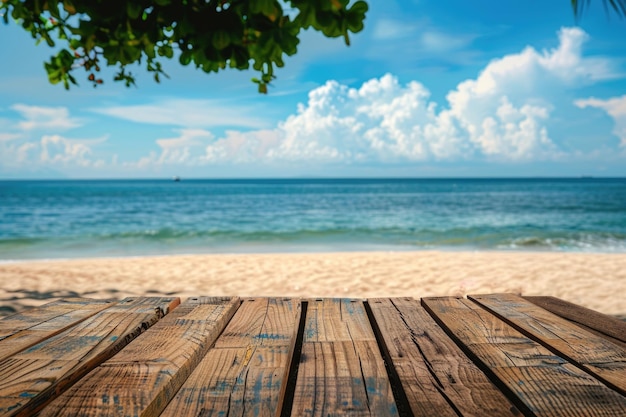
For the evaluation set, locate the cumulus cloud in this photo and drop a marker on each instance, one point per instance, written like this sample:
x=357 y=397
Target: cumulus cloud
x=243 y=147
x=23 y=145
x=615 y=107
x=51 y=150
x=45 y=118
x=502 y=115
x=56 y=149
x=179 y=150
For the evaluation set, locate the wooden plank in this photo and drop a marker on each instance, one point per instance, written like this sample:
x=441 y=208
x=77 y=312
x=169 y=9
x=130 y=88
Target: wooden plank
x=22 y=330
x=607 y=325
x=537 y=381
x=341 y=370
x=142 y=378
x=36 y=315
x=246 y=372
x=596 y=355
x=432 y=369
x=32 y=378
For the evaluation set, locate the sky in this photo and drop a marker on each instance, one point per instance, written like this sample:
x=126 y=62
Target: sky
x=427 y=89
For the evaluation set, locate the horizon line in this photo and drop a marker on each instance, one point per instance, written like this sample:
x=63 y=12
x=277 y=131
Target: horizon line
x=182 y=179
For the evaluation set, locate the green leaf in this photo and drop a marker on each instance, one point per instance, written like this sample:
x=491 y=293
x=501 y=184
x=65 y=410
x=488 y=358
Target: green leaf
x=185 y=57
x=323 y=19
x=133 y=9
x=265 y=7
x=48 y=39
x=220 y=39
x=360 y=7
x=241 y=57
x=247 y=33
x=53 y=9
x=166 y=51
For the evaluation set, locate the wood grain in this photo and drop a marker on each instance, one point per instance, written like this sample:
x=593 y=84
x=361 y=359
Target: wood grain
x=245 y=373
x=607 y=325
x=23 y=330
x=594 y=354
x=537 y=381
x=433 y=370
x=341 y=370
x=142 y=378
x=32 y=378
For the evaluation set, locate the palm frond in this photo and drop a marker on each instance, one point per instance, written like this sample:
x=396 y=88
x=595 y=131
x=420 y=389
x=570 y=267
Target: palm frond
x=618 y=6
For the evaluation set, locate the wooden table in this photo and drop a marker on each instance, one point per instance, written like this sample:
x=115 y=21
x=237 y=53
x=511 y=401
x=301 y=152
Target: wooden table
x=488 y=355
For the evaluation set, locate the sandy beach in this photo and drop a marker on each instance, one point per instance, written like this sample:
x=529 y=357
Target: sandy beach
x=596 y=281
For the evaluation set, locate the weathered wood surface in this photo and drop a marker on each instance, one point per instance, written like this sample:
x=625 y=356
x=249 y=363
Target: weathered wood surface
x=341 y=370
x=23 y=330
x=494 y=355
x=33 y=377
x=594 y=354
x=64 y=310
x=436 y=376
x=540 y=382
x=141 y=379
x=612 y=327
x=246 y=372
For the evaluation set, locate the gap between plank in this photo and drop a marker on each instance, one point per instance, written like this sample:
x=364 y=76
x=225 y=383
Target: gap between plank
x=586 y=369
x=399 y=395
x=515 y=400
x=292 y=375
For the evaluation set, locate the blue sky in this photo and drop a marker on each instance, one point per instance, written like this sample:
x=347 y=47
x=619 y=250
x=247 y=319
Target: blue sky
x=428 y=89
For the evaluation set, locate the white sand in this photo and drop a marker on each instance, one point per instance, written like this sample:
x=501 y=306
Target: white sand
x=597 y=281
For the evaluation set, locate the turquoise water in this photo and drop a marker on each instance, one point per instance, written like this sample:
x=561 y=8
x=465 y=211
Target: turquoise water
x=69 y=219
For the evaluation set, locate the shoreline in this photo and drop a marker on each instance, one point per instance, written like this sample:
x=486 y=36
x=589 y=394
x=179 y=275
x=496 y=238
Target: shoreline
x=593 y=280
x=325 y=251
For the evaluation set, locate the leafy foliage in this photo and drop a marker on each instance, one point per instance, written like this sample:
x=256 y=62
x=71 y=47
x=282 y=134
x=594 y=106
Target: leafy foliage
x=211 y=34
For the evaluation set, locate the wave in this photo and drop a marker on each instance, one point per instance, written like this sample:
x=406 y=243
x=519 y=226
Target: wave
x=573 y=242
x=478 y=238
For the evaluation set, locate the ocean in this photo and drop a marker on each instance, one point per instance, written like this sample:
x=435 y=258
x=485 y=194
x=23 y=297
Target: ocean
x=110 y=218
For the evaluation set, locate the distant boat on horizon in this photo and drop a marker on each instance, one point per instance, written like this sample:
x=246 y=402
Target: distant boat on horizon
x=176 y=178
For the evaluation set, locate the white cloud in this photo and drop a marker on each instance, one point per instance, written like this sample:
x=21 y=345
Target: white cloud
x=615 y=107
x=178 y=150
x=567 y=62
x=386 y=122
x=22 y=146
x=530 y=73
x=501 y=115
x=24 y=151
x=56 y=149
x=50 y=150
x=45 y=118
x=187 y=114
x=243 y=147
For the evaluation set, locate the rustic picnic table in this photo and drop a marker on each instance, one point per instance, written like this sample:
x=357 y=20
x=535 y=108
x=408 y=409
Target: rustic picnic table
x=487 y=355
